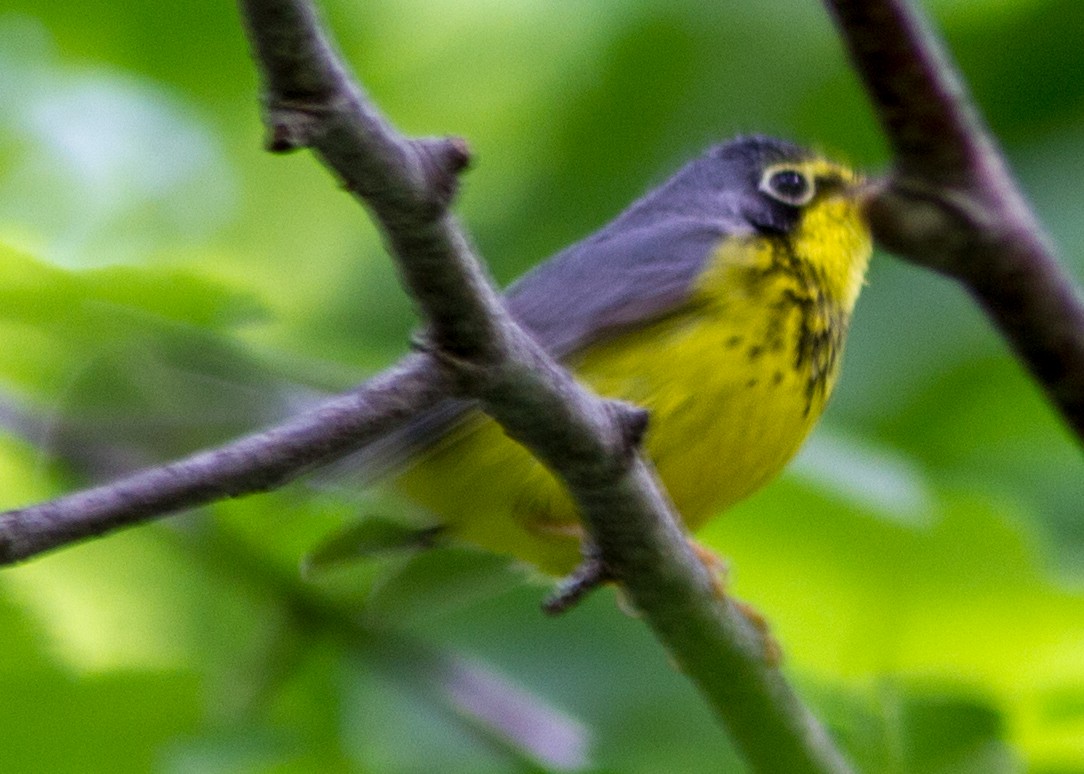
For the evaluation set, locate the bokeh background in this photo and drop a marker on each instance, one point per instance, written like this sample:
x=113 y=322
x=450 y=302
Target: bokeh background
x=165 y=284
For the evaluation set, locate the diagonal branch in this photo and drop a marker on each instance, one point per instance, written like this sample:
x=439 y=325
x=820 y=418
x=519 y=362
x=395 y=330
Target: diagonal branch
x=951 y=203
x=255 y=463
x=589 y=443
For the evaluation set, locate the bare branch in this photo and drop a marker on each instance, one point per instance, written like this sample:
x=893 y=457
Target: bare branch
x=310 y=101
x=951 y=203
x=255 y=463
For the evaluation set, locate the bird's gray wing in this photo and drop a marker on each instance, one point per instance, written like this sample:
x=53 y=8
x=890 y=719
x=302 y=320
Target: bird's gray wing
x=617 y=278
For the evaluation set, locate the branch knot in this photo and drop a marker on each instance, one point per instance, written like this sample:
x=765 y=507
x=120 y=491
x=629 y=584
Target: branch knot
x=931 y=225
x=441 y=160
x=466 y=369
x=292 y=126
x=633 y=422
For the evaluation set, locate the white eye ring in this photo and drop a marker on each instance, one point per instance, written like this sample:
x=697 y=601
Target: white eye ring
x=788 y=185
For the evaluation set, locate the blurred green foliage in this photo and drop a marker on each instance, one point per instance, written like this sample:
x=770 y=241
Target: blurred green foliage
x=164 y=284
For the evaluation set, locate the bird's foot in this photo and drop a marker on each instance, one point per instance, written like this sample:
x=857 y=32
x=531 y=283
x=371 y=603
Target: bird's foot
x=588 y=576
x=719 y=570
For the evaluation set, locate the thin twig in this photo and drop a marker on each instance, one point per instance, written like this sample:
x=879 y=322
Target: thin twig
x=255 y=463
x=951 y=204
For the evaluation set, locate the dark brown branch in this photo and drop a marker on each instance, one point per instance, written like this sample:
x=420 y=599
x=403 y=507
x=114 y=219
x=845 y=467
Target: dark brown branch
x=255 y=463
x=951 y=204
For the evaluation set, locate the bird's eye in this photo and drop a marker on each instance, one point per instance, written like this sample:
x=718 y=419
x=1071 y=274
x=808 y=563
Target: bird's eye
x=787 y=185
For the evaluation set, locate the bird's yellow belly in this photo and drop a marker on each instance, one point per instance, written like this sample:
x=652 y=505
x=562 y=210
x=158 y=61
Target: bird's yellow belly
x=726 y=411
x=729 y=406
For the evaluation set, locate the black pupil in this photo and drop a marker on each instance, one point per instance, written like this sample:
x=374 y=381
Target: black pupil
x=789 y=184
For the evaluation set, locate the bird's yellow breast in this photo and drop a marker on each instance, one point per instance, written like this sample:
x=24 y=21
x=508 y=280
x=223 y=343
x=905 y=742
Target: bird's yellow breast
x=734 y=380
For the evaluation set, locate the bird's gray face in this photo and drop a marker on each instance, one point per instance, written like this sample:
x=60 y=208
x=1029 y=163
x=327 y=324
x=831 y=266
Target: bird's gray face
x=764 y=180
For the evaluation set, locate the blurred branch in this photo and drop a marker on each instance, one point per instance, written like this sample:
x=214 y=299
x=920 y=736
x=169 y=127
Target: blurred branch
x=470 y=695
x=951 y=204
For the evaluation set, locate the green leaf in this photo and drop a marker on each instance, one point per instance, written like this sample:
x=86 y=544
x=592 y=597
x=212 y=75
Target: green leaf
x=366 y=539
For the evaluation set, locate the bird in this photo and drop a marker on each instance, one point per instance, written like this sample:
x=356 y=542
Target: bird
x=719 y=302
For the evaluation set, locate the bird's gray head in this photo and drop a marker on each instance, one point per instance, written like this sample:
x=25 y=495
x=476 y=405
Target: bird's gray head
x=750 y=183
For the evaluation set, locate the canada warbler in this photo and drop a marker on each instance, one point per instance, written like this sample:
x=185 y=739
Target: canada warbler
x=719 y=302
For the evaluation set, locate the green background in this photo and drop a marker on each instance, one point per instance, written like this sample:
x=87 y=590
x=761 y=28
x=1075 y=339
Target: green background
x=165 y=284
